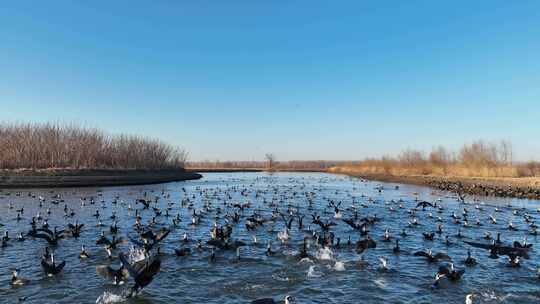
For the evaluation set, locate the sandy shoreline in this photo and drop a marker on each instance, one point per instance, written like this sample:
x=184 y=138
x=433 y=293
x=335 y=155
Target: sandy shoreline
x=527 y=188
x=88 y=178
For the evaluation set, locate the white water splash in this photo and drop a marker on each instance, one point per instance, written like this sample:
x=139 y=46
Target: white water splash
x=491 y=296
x=305 y=261
x=136 y=255
x=325 y=254
x=380 y=283
x=339 y=266
x=313 y=273
x=109 y=298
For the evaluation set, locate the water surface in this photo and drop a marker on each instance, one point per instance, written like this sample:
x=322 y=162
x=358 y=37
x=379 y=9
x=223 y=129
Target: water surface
x=341 y=278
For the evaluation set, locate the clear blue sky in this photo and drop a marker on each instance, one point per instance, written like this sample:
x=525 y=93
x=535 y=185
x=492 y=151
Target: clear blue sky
x=303 y=79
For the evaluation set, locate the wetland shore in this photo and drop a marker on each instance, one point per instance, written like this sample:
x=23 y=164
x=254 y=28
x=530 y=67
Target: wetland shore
x=87 y=178
x=524 y=188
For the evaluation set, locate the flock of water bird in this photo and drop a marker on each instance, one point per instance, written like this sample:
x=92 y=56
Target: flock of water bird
x=131 y=237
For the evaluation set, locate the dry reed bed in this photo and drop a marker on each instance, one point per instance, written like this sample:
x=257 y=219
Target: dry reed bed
x=69 y=146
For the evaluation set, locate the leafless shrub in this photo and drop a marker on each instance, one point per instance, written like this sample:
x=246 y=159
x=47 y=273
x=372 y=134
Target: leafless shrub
x=54 y=145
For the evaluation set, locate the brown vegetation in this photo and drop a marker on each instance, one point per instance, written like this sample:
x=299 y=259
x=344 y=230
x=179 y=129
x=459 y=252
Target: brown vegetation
x=479 y=159
x=293 y=165
x=63 y=146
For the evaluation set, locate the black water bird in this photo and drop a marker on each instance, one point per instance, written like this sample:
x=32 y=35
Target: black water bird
x=428 y=236
x=118 y=276
x=469 y=261
x=52 y=237
x=432 y=258
x=182 y=252
x=286 y=300
x=451 y=273
x=50 y=268
x=142 y=272
x=396 y=248
x=424 y=204
x=16 y=281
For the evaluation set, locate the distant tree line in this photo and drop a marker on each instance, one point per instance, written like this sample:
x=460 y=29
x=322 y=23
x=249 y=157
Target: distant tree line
x=272 y=163
x=479 y=158
x=70 y=146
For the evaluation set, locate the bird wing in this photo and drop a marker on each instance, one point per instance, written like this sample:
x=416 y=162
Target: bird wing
x=371 y=243
x=162 y=235
x=146 y=275
x=148 y=235
x=443 y=270
x=351 y=223
x=60 y=266
x=45 y=265
x=43 y=236
x=442 y=256
x=152 y=269
x=105 y=271
x=479 y=245
x=422 y=254
x=132 y=271
x=521 y=252
x=289 y=224
x=46 y=230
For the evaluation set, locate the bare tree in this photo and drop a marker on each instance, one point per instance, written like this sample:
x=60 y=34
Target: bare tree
x=506 y=152
x=270 y=160
x=46 y=146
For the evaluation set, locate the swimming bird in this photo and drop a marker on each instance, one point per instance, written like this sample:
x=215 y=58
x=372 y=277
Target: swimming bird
x=513 y=260
x=52 y=237
x=365 y=244
x=451 y=273
x=469 y=261
x=269 y=251
x=424 y=204
x=182 y=252
x=396 y=248
x=51 y=269
x=438 y=278
x=432 y=258
x=286 y=300
x=428 y=236
x=16 y=280
x=83 y=254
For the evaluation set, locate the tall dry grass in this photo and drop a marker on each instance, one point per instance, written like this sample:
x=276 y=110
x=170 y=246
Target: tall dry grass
x=63 y=146
x=478 y=159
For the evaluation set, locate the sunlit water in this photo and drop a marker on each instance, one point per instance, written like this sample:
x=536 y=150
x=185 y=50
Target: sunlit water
x=336 y=276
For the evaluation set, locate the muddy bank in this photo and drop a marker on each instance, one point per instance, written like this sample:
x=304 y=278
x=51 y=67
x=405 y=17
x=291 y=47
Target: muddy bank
x=87 y=178
x=527 y=188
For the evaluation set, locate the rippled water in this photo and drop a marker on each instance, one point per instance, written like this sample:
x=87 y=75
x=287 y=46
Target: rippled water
x=334 y=277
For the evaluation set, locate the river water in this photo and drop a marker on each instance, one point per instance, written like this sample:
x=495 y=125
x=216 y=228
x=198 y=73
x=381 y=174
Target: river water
x=336 y=276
